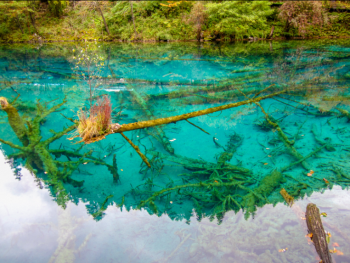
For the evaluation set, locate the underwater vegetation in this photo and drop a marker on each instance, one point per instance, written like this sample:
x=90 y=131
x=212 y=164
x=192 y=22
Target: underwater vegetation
x=99 y=120
x=249 y=139
x=38 y=157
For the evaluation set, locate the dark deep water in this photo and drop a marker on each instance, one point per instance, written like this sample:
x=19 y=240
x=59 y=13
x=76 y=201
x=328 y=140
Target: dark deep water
x=221 y=198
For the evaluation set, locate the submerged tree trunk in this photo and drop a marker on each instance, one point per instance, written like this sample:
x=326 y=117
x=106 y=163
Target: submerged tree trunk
x=314 y=224
x=157 y=132
x=15 y=121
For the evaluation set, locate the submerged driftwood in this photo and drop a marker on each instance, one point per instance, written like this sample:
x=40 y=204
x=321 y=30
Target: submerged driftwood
x=314 y=224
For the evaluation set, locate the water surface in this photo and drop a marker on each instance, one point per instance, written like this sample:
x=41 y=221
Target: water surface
x=225 y=205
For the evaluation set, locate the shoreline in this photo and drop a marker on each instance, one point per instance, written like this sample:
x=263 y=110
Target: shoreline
x=40 y=41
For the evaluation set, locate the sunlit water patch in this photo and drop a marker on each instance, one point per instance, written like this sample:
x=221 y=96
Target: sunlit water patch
x=212 y=192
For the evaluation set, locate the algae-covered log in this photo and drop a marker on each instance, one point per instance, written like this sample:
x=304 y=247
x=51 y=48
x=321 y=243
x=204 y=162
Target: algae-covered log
x=36 y=152
x=284 y=138
x=15 y=121
x=200 y=165
x=190 y=91
x=174 y=119
x=314 y=224
x=265 y=188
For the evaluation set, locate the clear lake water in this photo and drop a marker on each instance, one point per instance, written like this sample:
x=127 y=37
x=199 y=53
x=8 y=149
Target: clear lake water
x=213 y=191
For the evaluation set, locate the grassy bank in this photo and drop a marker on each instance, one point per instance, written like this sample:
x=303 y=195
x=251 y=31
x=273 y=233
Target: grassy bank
x=152 y=21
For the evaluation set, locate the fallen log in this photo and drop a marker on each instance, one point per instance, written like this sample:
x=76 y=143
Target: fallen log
x=15 y=121
x=116 y=128
x=314 y=224
x=289 y=144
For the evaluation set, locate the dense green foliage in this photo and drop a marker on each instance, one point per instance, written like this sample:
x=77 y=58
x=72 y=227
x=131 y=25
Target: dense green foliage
x=58 y=20
x=238 y=19
x=152 y=20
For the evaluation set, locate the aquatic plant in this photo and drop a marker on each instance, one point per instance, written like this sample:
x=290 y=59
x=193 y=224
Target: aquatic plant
x=99 y=120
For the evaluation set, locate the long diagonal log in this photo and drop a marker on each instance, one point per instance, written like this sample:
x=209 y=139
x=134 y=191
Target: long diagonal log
x=173 y=119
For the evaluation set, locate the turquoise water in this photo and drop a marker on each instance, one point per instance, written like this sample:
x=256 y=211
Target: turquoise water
x=209 y=196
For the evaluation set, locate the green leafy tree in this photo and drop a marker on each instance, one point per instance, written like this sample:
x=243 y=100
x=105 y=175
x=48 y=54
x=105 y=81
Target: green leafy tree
x=57 y=7
x=238 y=19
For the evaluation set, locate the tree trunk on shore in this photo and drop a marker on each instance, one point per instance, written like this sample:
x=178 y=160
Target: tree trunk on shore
x=271 y=32
x=19 y=24
x=104 y=20
x=133 y=18
x=32 y=19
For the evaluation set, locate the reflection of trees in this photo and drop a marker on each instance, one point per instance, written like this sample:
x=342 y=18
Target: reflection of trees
x=213 y=187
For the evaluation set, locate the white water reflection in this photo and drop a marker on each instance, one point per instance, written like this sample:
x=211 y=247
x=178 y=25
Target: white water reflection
x=34 y=229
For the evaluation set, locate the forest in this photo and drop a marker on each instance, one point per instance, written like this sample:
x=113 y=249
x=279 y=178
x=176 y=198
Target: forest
x=153 y=21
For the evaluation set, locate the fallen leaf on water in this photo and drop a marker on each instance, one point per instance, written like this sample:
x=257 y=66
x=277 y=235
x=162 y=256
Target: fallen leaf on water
x=312 y=172
x=269 y=156
x=324 y=214
x=303 y=218
x=339 y=253
x=283 y=250
x=309 y=174
x=216 y=181
x=329 y=234
x=309 y=235
x=266 y=163
x=325 y=180
x=335 y=244
x=334 y=250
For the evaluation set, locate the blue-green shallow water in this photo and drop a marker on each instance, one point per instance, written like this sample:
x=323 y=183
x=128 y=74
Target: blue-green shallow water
x=194 y=224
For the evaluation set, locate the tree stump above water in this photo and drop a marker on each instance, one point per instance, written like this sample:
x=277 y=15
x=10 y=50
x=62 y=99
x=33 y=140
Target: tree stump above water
x=314 y=224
